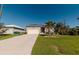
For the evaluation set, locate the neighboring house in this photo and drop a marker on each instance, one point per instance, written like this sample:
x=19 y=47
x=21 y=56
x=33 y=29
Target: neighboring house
x=12 y=29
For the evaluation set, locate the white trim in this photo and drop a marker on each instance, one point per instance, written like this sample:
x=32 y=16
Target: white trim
x=13 y=26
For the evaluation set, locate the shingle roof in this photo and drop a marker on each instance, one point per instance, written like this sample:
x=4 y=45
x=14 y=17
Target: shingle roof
x=33 y=25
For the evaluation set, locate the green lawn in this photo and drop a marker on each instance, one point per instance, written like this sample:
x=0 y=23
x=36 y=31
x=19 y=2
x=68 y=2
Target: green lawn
x=67 y=45
x=2 y=37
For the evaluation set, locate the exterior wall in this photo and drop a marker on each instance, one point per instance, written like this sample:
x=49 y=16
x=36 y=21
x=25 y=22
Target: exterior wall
x=12 y=30
x=9 y=31
x=33 y=30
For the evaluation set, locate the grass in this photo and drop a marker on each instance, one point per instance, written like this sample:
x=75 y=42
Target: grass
x=2 y=37
x=60 y=45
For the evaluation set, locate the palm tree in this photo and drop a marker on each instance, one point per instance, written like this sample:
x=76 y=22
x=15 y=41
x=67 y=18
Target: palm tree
x=58 y=28
x=1 y=25
x=49 y=27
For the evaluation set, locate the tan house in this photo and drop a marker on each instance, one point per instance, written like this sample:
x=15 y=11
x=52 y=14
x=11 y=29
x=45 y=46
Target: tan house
x=33 y=29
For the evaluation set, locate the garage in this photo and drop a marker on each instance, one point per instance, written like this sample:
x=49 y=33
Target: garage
x=32 y=30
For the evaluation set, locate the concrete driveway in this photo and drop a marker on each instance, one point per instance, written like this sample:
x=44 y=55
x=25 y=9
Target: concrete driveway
x=21 y=45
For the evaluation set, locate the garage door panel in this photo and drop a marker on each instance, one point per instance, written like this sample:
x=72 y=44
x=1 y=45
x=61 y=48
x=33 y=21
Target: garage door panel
x=33 y=30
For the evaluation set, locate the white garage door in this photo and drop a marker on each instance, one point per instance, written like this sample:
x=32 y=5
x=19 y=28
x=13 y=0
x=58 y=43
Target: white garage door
x=33 y=30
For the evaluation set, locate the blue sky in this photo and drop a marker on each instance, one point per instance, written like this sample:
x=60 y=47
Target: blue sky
x=25 y=14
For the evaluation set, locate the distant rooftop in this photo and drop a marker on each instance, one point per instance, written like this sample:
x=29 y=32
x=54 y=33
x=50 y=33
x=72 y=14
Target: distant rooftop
x=33 y=25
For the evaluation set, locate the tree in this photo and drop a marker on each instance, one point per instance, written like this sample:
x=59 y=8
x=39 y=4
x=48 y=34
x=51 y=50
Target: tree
x=49 y=26
x=1 y=25
x=61 y=28
x=1 y=28
x=76 y=29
